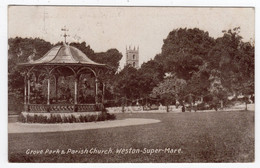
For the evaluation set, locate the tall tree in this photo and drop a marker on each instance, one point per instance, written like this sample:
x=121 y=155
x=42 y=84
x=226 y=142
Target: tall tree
x=111 y=57
x=184 y=51
x=170 y=89
x=235 y=61
x=150 y=75
x=127 y=82
x=21 y=50
x=86 y=49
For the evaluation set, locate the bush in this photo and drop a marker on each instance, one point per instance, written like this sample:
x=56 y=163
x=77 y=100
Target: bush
x=41 y=119
x=92 y=118
x=86 y=118
x=57 y=118
x=52 y=119
x=106 y=116
x=81 y=118
x=111 y=116
x=30 y=119
x=22 y=118
x=65 y=119
x=72 y=119
x=102 y=117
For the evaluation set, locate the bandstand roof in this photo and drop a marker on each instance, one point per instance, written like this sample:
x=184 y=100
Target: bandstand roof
x=63 y=54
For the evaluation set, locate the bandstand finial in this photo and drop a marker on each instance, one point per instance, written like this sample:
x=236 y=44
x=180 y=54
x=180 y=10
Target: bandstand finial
x=65 y=35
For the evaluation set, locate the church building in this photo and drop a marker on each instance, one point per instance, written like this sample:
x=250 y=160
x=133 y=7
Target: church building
x=132 y=56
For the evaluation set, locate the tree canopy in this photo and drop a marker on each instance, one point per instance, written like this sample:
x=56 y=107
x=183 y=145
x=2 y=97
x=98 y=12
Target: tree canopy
x=25 y=49
x=191 y=62
x=185 y=50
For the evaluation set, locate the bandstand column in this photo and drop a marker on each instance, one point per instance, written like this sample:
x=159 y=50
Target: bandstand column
x=29 y=85
x=25 y=93
x=103 y=92
x=96 y=91
x=76 y=90
x=25 y=89
x=48 y=93
x=56 y=77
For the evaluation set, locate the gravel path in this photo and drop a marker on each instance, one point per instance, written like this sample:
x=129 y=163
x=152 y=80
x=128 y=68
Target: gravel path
x=34 y=127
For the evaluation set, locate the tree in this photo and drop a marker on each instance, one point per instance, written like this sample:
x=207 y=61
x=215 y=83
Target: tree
x=170 y=89
x=234 y=59
x=218 y=92
x=111 y=57
x=150 y=75
x=127 y=83
x=225 y=56
x=199 y=83
x=86 y=49
x=247 y=64
x=19 y=50
x=184 y=51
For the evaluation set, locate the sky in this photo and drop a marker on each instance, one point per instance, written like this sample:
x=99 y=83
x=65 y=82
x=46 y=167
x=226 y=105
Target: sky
x=104 y=28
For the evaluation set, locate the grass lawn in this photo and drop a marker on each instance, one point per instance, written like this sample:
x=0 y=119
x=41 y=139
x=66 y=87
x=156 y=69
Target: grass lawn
x=202 y=137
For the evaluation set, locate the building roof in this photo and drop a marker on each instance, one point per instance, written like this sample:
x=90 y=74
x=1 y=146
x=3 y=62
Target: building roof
x=63 y=54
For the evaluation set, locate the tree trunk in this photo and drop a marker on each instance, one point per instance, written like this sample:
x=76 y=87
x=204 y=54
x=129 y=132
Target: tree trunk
x=221 y=104
x=190 y=102
x=123 y=104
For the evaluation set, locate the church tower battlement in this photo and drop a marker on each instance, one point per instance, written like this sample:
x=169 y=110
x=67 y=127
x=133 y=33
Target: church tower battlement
x=132 y=56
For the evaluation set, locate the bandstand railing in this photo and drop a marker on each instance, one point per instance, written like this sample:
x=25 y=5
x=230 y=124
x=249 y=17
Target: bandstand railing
x=59 y=108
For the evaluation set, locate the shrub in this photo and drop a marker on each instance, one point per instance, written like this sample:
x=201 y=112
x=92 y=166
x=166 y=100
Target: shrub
x=22 y=118
x=86 y=119
x=35 y=118
x=30 y=118
x=102 y=117
x=72 y=119
x=52 y=119
x=65 y=119
x=92 y=118
x=57 y=118
x=81 y=118
x=111 y=116
x=42 y=119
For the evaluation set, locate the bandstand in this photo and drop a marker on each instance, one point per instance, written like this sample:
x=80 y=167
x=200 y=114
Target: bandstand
x=59 y=62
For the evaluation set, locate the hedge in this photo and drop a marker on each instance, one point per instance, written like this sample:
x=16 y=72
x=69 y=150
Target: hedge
x=57 y=118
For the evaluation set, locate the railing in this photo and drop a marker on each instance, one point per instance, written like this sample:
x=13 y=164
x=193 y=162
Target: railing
x=59 y=108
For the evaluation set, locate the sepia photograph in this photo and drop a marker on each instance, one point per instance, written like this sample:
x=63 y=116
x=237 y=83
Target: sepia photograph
x=131 y=84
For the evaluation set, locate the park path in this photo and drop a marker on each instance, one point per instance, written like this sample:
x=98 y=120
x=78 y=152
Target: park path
x=59 y=127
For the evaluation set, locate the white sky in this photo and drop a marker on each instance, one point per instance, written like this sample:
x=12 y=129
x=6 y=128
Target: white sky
x=115 y=27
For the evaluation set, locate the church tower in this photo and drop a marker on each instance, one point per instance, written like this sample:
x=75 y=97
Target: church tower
x=132 y=56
